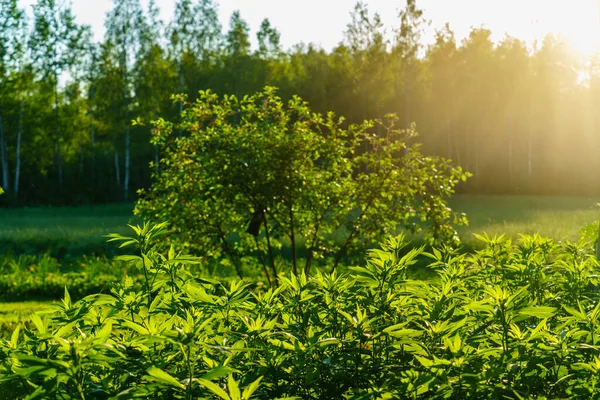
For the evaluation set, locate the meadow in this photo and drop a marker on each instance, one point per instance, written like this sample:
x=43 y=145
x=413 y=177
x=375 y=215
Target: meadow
x=68 y=232
x=560 y=218
x=62 y=232
x=73 y=238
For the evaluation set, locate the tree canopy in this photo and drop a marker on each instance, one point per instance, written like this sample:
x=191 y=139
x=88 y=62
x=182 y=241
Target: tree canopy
x=523 y=120
x=268 y=172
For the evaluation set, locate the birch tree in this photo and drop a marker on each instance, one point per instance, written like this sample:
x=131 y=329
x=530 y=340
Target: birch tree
x=11 y=47
x=442 y=62
x=195 y=33
x=405 y=50
x=365 y=36
x=123 y=25
x=56 y=46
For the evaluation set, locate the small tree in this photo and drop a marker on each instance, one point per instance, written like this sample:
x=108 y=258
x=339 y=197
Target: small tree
x=254 y=172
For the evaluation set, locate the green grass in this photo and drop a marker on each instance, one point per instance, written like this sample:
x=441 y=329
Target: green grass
x=70 y=232
x=557 y=217
x=62 y=232
x=12 y=314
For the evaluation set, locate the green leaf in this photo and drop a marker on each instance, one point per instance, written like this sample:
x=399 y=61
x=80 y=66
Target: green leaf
x=128 y=258
x=538 y=311
x=234 y=389
x=214 y=388
x=218 y=372
x=37 y=321
x=14 y=338
x=250 y=389
x=67 y=299
x=161 y=376
x=577 y=314
x=136 y=327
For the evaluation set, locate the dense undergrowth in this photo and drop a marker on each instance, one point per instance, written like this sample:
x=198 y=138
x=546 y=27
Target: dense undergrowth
x=509 y=321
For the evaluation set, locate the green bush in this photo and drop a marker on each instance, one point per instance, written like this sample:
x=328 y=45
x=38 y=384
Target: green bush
x=252 y=175
x=509 y=321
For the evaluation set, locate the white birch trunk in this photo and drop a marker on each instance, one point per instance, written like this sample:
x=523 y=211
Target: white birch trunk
x=127 y=139
x=127 y=164
x=3 y=157
x=57 y=134
x=93 y=140
x=18 y=150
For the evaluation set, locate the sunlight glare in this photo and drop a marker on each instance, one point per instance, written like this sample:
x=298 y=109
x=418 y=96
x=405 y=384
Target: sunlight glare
x=578 y=22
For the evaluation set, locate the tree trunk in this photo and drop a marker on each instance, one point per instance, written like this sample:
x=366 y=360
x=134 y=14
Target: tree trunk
x=127 y=139
x=406 y=101
x=270 y=249
x=57 y=134
x=80 y=159
x=449 y=137
x=3 y=157
x=405 y=78
x=181 y=90
x=156 y=158
x=93 y=141
x=117 y=168
x=293 y=241
x=529 y=154
x=458 y=153
x=18 y=150
x=127 y=166
x=510 y=151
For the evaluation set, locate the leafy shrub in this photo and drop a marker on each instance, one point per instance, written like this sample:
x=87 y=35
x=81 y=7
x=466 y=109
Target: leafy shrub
x=253 y=173
x=510 y=321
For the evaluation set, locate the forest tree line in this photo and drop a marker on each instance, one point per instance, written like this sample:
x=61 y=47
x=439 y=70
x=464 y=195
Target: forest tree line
x=522 y=120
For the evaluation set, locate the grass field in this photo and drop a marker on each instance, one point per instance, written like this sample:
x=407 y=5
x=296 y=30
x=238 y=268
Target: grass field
x=12 y=314
x=62 y=231
x=557 y=217
x=80 y=230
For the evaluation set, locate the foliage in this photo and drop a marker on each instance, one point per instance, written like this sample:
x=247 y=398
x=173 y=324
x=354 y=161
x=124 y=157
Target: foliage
x=31 y=277
x=512 y=320
x=483 y=103
x=265 y=172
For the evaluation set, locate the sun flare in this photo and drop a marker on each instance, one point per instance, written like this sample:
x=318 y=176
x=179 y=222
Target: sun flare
x=577 y=22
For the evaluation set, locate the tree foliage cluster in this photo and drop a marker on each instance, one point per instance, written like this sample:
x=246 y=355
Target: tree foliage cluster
x=522 y=120
x=250 y=174
x=510 y=321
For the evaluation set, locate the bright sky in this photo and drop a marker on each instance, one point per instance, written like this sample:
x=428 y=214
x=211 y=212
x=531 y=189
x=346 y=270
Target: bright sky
x=323 y=21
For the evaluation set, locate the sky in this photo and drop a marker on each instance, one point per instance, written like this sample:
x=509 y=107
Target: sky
x=323 y=22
